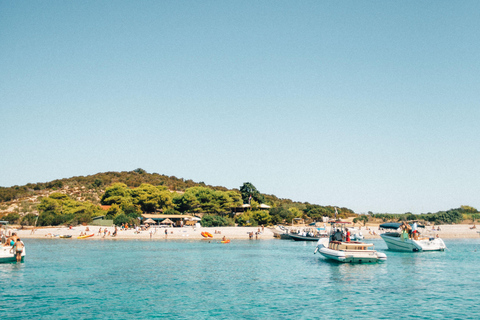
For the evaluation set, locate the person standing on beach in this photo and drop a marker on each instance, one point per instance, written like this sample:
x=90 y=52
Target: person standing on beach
x=166 y=233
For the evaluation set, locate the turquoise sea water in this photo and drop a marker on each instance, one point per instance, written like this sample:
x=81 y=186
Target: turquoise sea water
x=268 y=279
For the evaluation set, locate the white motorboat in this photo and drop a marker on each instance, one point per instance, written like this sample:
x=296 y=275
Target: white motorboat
x=308 y=234
x=336 y=248
x=399 y=241
x=6 y=252
x=7 y=255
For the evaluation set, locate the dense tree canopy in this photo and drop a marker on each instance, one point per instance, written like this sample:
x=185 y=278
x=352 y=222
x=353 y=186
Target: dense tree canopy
x=59 y=209
x=248 y=190
x=203 y=199
x=442 y=217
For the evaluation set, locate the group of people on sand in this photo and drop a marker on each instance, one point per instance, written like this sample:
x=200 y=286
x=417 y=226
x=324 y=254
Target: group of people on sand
x=107 y=232
x=17 y=245
x=256 y=234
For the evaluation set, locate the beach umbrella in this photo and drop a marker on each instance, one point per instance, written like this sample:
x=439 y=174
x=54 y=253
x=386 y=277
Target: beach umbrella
x=167 y=221
x=150 y=221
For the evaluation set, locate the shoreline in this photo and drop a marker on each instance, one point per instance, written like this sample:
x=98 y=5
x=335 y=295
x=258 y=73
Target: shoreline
x=232 y=233
x=184 y=233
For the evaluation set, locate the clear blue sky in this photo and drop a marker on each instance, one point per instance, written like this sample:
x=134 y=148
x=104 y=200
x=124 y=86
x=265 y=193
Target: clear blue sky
x=371 y=105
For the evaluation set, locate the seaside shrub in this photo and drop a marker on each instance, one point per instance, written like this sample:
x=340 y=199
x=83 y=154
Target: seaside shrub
x=475 y=217
x=246 y=220
x=120 y=219
x=12 y=217
x=131 y=210
x=276 y=219
x=29 y=219
x=215 y=221
x=59 y=209
x=113 y=211
x=261 y=217
x=115 y=194
x=151 y=198
x=283 y=215
x=451 y=216
x=46 y=219
x=294 y=213
x=78 y=219
x=203 y=199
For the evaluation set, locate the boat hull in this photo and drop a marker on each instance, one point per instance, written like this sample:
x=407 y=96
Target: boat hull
x=396 y=243
x=354 y=252
x=6 y=256
x=297 y=237
x=363 y=256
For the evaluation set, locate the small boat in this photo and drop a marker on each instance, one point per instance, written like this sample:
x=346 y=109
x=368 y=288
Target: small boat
x=336 y=248
x=65 y=236
x=7 y=256
x=85 y=236
x=400 y=241
x=307 y=236
x=225 y=241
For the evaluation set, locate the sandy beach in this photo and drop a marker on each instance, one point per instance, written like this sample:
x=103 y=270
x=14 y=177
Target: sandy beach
x=233 y=233
x=185 y=233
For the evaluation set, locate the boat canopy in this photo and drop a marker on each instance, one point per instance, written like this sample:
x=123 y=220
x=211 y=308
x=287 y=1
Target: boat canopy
x=396 y=225
x=390 y=225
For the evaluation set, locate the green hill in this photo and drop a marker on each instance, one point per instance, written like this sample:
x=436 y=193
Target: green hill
x=83 y=195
